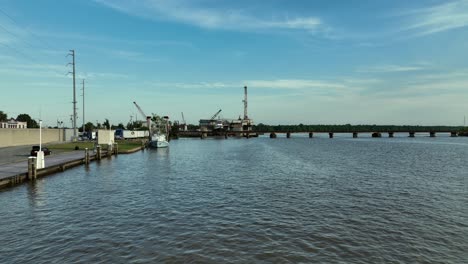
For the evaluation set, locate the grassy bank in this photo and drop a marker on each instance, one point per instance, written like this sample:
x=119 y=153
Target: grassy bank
x=123 y=145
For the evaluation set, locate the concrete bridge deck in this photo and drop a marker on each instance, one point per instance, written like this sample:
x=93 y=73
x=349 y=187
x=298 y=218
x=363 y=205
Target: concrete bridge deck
x=273 y=134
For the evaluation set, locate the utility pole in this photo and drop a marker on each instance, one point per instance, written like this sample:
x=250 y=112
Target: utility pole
x=72 y=53
x=83 y=108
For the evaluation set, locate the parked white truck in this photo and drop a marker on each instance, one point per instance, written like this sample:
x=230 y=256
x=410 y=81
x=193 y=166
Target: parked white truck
x=130 y=134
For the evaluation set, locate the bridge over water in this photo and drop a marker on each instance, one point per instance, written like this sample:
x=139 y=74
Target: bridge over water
x=273 y=134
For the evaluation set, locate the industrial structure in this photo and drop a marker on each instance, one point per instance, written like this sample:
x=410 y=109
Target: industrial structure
x=148 y=118
x=228 y=127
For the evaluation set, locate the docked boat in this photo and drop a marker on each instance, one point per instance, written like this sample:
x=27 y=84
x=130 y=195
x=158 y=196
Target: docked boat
x=159 y=141
x=159 y=134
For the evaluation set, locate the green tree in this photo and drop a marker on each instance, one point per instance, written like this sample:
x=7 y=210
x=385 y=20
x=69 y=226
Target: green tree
x=3 y=116
x=106 y=124
x=89 y=126
x=31 y=123
x=133 y=125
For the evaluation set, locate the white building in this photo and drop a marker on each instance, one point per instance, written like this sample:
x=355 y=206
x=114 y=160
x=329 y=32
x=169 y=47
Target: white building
x=12 y=123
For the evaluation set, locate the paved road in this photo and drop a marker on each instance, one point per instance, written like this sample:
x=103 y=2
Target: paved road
x=14 y=160
x=20 y=153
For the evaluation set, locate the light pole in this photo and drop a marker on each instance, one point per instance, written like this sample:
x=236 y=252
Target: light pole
x=40 y=135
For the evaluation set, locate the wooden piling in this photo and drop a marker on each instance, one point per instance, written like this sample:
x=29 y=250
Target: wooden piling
x=311 y=135
x=98 y=152
x=116 y=148
x=288 y=134
x=355 y=134
x=86 y=156
x=411 y=134
x=272 y=135
x=432 y=134
x=390 y=134
x=330 y=135
x=32 y=171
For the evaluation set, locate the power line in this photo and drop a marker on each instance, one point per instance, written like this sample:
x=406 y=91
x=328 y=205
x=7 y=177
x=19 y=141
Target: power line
x=24 y=55
x=19 y=25
x=18 y=52
x=15 y=35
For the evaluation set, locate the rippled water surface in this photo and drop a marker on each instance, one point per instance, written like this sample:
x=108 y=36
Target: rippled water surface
x=281 y=200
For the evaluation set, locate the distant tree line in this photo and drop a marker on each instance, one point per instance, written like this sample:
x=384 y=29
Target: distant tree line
x=351 y=128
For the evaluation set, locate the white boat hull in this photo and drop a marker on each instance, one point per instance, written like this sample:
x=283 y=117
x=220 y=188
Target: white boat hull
x=159 y=141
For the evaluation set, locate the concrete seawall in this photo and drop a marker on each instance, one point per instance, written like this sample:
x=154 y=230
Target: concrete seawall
x=17 y=173
x=30 y=136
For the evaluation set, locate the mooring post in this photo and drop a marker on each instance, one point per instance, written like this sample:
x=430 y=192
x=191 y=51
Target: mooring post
x=98 y=152
x=86 y=156
x=288 y=135
x=272 y=135
x=355 y=134
x=32 y=171
x=432 y=134
x=390 y=134
x=411 y=134
x=311 y=135
x=330 y=135
x=116 y=148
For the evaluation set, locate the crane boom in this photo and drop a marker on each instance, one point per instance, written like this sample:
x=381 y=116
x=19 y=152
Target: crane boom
x=215 y=115
x=183 y=119
x=148 y=118
x=140 y=110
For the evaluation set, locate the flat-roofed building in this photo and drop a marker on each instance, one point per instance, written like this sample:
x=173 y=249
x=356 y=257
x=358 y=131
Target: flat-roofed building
x=13 y=123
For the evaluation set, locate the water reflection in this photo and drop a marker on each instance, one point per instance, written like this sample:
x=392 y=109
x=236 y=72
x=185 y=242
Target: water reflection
x=35 y=191
x=257 y=200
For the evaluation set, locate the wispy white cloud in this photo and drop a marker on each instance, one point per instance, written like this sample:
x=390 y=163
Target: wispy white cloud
x=439 y=18
x=132 y=56
x=190 y=85
x=294 y=84
x=103 y=76
x=188 y=12
x=390 y=68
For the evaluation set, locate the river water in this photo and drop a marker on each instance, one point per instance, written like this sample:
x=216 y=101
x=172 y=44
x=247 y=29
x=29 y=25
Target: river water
x=298 y=200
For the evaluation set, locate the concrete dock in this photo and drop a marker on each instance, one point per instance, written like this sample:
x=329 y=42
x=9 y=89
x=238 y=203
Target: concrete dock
x=15 y=172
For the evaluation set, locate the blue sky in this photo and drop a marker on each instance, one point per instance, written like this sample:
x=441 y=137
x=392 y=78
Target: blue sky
x=311 y=62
